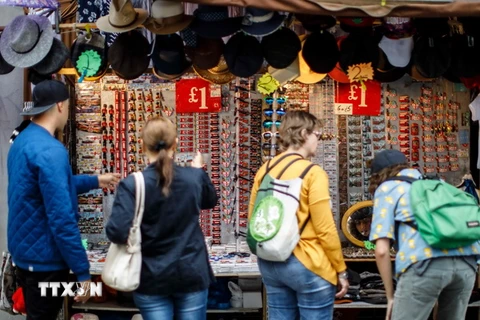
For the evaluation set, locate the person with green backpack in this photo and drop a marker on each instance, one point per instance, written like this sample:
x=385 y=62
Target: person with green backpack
x=434 y=228
x=292 y=230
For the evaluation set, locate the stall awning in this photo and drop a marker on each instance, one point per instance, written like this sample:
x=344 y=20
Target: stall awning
x=374 y=8
x=37 y=4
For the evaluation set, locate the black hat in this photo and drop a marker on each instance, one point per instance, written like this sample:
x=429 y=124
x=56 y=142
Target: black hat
x=314 y=23
x=213 y=22
x=432 y=27
x=169 y=55
x=54 y=60
x=85 y=48
x=431 y=56
x=207 y=52
x=281 y=48
x=359 y=48
x=471 y=25
x=128 y=55
x=35 y=78
x=387 y=158
x=45 y=95
x=243 y=55
x=320 y=52
x=465 y=52
x=5 y=67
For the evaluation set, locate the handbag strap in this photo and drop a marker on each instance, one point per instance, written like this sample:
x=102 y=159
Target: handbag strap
x=139 y=198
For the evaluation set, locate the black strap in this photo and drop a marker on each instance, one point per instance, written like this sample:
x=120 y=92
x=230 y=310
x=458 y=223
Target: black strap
x=278 y=161
x=401 y=178
x=288 y=166
x=304 y=173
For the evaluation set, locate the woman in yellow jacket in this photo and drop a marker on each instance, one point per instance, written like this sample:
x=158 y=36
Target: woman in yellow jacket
x=304 y=286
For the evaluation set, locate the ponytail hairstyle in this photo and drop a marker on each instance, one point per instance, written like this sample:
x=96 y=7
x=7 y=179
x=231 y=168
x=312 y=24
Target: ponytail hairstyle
x=159 y=137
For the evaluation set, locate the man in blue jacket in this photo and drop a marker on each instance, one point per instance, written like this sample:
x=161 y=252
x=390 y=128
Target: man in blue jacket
x=43 y=234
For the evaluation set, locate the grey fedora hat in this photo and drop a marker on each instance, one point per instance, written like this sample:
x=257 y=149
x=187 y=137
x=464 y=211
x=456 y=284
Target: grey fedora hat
x=26 y=40
x=54 y=60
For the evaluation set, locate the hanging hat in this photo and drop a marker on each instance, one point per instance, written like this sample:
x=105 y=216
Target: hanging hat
x=167 y=17
x=54 y=60
x=432 y=56
x=320 y=51
x=128 y=55
x=26 y=40
x=281 y=48
x=207 y=53
x=4 y=66
x=287 y=74
x=122 y=17
x=359 y=24
x=213 y=22
x=358 y=48
x=218 y=75
x=243 y=54
x=416 y=75
x=261 y=22
x=338 y=74
x=89 y=55
x=432 y=27
x=385 y=72
x=471 y=25
x=465 y=54
x=169 y=58
x=307 y=76
x=35 y=78
x=315 y=23
x=397 y=27
x=398 y=51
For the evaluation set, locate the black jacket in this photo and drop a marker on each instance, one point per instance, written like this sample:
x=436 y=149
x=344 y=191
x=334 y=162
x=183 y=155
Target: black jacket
x=175 y=258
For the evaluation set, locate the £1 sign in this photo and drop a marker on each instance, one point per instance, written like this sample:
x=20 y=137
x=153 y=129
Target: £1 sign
x=197 y=95
x=357 y=99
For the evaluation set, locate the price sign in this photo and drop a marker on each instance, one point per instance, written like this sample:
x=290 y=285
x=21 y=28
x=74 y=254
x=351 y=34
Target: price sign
x=364 y=99
x=197 y=95
x=343 y=109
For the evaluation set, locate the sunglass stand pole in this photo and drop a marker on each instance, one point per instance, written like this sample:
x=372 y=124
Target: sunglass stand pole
x=274 y=129
x=237 y=172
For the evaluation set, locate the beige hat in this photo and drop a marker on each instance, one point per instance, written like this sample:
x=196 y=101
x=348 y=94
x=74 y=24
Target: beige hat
x=218 y=75
x=289 y=73
x=307 y=76
x=167 y=17
x=122 y=17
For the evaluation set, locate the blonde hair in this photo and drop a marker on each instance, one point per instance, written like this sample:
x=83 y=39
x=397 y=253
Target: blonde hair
x=293 y=123
x=159 y=136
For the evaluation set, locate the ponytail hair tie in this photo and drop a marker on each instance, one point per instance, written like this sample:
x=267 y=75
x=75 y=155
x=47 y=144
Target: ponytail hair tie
x=160 y=145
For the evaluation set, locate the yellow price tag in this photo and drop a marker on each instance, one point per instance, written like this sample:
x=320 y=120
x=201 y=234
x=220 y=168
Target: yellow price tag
x=360 y=72
x=267 y=84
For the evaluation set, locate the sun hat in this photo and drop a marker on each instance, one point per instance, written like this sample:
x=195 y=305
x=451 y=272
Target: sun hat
x=122 y=17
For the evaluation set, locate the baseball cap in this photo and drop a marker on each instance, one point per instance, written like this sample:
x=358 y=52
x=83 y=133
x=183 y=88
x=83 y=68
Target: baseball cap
x=387 y=158
x=45 y=95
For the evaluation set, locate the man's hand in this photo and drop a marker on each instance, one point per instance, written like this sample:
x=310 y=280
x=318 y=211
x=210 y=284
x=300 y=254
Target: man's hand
x=108 y=180
x=83 y=292
x=343 y=287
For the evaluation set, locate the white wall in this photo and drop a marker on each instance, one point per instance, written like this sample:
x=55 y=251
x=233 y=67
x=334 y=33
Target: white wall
x=11 y=101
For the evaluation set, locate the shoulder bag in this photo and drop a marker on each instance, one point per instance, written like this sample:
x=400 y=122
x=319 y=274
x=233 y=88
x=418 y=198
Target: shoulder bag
x=124 y=261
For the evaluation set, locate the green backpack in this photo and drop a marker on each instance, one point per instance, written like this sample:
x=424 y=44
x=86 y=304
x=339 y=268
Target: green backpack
x=445 y=216
x=273 y=230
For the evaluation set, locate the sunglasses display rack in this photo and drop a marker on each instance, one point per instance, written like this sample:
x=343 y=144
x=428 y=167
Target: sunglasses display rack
x=321 y=105
x=426 y=122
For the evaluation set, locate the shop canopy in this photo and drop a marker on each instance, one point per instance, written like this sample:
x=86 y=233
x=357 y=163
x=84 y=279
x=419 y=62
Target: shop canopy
x=37 y=4
x=358 y=8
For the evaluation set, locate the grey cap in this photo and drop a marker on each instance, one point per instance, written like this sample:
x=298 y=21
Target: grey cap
x=387 y=158
x=45 y=95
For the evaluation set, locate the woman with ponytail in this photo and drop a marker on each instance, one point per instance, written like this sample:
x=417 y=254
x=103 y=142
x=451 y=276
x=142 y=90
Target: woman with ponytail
x=175 y=272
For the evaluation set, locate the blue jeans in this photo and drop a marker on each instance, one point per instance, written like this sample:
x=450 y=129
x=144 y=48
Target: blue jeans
x=182 y=306
x=294 y=292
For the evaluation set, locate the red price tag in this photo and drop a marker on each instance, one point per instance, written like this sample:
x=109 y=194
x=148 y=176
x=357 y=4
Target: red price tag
x=364 y=101
x=197 y=95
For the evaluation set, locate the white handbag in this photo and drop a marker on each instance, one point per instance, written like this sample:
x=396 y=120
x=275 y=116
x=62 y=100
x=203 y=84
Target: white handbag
x=124 y=261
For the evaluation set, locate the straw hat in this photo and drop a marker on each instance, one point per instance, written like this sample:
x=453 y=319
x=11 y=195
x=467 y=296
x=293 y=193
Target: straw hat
x=122 y=17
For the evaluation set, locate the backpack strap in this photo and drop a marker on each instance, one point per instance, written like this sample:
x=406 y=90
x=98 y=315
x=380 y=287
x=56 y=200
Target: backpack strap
x=288 y=166
x=304 y=173
x=267 y=170
x=401 y=178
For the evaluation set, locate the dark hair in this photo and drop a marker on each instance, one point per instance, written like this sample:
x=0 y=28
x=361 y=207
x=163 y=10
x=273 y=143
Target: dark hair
x=292 y=125
x=378 y=178
x=159 y=136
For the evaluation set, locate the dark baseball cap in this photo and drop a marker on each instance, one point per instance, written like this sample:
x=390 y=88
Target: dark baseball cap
x=387 y=158
x=45 y=95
